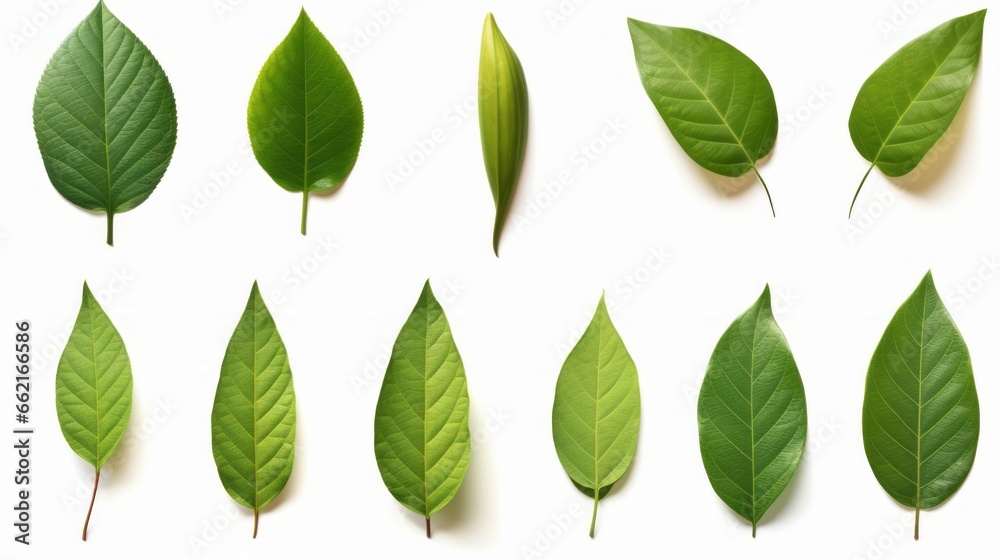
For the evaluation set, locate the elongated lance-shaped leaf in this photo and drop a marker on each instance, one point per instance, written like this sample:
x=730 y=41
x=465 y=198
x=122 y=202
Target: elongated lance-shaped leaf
x=920 y=419
x=93 y=389
x=752 y=413
x=305 y=116
x=717 y=103
x=503 y=119
x=105 y=118
x=422 y=441
x=595 y=416
x=907 y=104
x=253 y=418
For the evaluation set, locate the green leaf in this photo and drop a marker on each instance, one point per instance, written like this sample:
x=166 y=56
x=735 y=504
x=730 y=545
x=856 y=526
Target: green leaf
x=305 y=117
x=905 y=106
x=422 y=440
x=716 y=102
x=920 y=419
x=752 y=413
x=93 y=388
x=105 y=118
x=253 y=418
x=503 y=119
x=595 y=416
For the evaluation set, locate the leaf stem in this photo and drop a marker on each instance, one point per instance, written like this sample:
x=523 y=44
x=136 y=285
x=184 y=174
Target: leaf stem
x=916 y=525
x=767 y=192
x=111 y=229
x=427 y=523
x=593 y=518
x=93 y=496
x=857 y=192
x=256 y=518
x=305 y=209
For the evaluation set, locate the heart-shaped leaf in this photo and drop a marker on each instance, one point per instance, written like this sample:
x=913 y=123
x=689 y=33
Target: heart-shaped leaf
x=905 y=106
x=503 y=119
x=716 y=102
x=422 y=441
x=305 y=117
x=595 y=416
x=752 y=413
x=93 y=389
x=105 y=118
x=253 y=418
x=920 y=419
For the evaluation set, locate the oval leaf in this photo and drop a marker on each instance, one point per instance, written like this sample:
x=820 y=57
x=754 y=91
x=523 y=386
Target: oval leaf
x=595 y=416
x=105 y=118
x=93 y=388
x=305 y=117
x=717 y=103
x=503 y=119
x=905 y=106
x=752 y=413
x=253 y=418
x=921 y=412
x=422 y=417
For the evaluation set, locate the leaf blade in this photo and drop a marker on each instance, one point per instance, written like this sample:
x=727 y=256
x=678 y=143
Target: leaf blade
x=920 y=418
x=94 y=385
x=503 y=119
x=910 y=100
x=598 y=375
x=752 y=413
x=305 y=116
x=716 y=102
x=253 y=415
x=105 y=117
x=422 y=441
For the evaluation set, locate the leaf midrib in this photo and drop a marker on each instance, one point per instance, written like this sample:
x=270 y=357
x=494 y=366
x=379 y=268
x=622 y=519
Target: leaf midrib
x=97 y=391
x=104 y=101
x=256 y=466
x=738 y=140
x=913 y=101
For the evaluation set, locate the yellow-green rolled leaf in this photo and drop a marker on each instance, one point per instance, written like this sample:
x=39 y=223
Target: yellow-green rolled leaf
x=503 y=119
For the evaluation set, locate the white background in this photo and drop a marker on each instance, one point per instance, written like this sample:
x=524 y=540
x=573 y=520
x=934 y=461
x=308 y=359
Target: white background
x=177 y=280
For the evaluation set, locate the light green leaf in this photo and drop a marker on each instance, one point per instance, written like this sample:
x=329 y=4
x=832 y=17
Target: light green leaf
x=503 y=119
x=305 y=116
x=716 y=102
x=920 y=419
x=905 y=106
x=105 y=118
x=752 y=413
x=422 y=417
x=253 y=418
x=595 y=416
x=93 y=388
